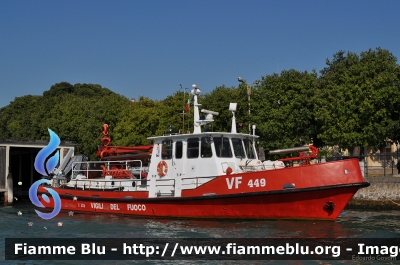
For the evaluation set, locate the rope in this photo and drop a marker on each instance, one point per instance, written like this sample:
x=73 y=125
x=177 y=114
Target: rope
x=398 y=204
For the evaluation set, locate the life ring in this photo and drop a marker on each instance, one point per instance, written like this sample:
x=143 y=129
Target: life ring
x=162 y=168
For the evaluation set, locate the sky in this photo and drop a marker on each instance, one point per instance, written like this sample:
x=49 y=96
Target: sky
x=150 y=48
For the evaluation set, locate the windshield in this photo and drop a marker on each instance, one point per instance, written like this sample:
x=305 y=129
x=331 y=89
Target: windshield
x=249 y=149
x=238 y=148
x=222 y=147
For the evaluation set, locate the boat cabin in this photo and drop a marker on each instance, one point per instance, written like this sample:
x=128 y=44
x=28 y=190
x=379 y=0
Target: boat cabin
x=174 y=162
x=194 y=159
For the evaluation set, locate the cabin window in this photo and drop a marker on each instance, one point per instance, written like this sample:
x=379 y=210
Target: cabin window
x=222 y=147
x=206 y=147
x=238 y=148
x=178 y=149
x=193 y=148
x=166 y=150
x=249 y=149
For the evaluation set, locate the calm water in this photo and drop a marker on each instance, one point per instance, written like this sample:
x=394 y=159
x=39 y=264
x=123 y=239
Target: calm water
x=351 y=223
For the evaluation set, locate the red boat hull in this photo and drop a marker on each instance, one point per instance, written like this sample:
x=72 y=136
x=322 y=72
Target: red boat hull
x=319 y=191
x=307 y=204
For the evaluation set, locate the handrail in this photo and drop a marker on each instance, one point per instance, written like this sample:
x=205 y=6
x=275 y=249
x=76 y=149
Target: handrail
x=197 y=180
x=103 y=183
x=166 y=185
x=107 y=163
x=200 y=177
x=159 y=193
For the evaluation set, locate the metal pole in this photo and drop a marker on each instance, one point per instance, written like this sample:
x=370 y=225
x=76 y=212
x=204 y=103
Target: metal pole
x=241 y=80
x=384 y=162
x=397 y=155
x=183 y=111
x=248 y=96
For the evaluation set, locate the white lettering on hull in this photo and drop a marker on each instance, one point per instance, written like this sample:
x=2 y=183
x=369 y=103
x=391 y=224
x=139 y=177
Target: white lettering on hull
x=114 y=207
x=233 y=180
x=136 y=207
x=96 y=205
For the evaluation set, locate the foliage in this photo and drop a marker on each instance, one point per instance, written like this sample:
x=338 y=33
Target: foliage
x=138 y=121
x=76 y=113
x=283 y=107
x=355 y=101
x=358 y=98
x=218 y=100
x=18 y=119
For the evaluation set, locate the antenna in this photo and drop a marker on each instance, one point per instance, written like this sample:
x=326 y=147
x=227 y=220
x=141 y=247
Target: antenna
x=209 y=116
x=196 y=90
x=196 y=116
x=209 y=112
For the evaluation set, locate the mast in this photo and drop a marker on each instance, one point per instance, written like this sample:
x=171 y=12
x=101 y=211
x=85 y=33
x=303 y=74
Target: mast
x=232 y=107
x=196 y=91
x=209 y=117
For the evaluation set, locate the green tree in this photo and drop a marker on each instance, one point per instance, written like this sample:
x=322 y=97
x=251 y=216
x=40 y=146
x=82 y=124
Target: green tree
x=357 y=102
x=75 y=112
x=138 y=121
x=354 y=102
x=17 y=120
x=218 y=100
x=282 y=109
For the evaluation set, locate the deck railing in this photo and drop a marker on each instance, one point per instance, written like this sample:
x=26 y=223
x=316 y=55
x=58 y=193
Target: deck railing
x=91 y=166
x=196 y=181
x=115 y=184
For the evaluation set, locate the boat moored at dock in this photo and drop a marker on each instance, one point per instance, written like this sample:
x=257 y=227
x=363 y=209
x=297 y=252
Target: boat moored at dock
x=206 y=174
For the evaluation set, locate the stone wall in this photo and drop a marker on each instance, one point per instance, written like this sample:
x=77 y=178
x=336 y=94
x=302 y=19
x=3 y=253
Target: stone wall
x=383 y=193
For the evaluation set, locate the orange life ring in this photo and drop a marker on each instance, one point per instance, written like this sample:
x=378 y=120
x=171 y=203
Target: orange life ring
x=162 y=168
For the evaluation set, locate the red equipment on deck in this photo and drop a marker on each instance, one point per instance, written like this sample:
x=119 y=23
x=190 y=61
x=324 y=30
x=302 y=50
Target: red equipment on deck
x=106 y=152
x=304 y=158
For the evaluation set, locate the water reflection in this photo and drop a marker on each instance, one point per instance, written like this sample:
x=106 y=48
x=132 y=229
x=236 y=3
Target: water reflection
x=352 y=223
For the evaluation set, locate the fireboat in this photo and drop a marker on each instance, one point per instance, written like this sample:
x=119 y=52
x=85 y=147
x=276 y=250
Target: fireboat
x=204 y=174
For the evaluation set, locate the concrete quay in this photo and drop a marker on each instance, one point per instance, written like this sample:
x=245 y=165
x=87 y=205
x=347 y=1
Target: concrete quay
x=382 y=194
